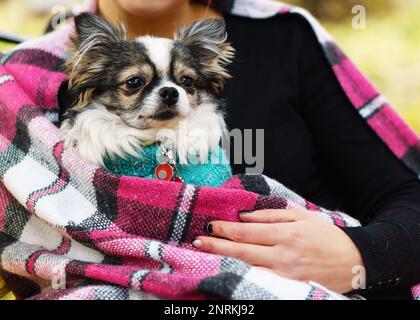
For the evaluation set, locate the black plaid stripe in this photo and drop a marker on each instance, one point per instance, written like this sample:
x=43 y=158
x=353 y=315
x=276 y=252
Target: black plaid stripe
x=189 y=215
x=98 y=221
x=181 y=219
x=81 y=235
x=29 y=112
x=5 y=241
x=76 y=270
x=175 y=217
x=137 y=278
x=160 y=258
x=106 y=187
x=34 y=57
x=255 y=183
x=113 y=260
x=334 y=54
x=224 y=285
x=21 y=143
x=18 y=149
x=412 y=158
x=270 y=202
x=15 y=219
x=221 y=286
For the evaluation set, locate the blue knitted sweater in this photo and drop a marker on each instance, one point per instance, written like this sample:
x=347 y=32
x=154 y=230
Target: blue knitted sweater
x=215 y=172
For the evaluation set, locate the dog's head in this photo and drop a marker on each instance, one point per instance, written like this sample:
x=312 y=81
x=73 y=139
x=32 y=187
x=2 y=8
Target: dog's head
x=147 y=81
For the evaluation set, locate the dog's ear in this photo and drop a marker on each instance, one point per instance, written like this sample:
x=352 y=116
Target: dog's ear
x=207 y=43
x=91 y=44
x=90 y=27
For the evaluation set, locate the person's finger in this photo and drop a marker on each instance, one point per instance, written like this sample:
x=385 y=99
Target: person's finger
x=253 y=233
x=250 y=253
x=276 y=216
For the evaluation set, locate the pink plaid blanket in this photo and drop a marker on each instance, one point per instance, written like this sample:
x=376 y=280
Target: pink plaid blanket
x=69 y=230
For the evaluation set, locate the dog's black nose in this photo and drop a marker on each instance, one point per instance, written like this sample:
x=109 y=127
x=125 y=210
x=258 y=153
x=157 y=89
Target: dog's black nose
x=169 y=95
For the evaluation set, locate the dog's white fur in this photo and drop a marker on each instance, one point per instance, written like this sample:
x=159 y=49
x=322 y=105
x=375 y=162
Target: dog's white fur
x=96 y=132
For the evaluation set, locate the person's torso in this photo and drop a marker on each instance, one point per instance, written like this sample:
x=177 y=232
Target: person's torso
x=263 y=94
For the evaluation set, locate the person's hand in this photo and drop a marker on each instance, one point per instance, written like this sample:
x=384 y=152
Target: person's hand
x=295 y=244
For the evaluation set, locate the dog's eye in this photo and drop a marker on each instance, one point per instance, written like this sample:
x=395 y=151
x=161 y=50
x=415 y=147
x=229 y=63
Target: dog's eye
x=134 y=83
x=187 y=81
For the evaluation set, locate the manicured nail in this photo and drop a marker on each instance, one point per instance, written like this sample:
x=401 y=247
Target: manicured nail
x=245 y=212
x=209 y=228
x=197 y=243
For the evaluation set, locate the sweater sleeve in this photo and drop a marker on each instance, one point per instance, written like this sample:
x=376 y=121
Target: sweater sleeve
x=373 y=185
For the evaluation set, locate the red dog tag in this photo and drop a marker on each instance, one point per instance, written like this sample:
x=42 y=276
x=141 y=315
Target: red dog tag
x=164 y=172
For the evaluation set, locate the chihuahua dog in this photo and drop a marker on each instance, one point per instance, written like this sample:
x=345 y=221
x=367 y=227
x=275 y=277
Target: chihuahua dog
x=130 y=90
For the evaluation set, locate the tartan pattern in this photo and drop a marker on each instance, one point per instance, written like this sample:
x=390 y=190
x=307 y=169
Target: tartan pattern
x=64 y=221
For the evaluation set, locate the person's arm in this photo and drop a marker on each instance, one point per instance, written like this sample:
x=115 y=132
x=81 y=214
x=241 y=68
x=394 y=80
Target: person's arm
x=373 y=184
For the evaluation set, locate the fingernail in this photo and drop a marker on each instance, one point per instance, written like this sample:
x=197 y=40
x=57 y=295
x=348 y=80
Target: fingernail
x=197 y=243
x=245 y=212
x=209 y=228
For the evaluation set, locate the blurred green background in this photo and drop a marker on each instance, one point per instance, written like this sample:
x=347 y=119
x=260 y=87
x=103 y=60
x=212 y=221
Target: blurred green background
x=388 y=50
